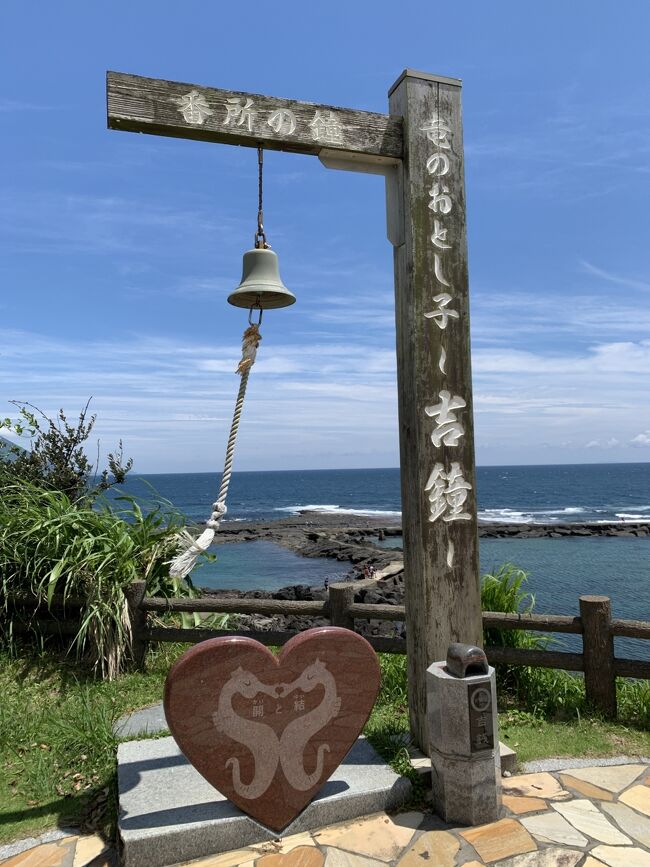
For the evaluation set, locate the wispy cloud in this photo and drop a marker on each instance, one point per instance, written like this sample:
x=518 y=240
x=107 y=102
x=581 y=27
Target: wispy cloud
x=617 y=279
x=171 y=402
x=62 y=224
x=312 y=403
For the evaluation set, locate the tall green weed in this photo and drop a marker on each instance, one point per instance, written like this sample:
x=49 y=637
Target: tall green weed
x=51 y=546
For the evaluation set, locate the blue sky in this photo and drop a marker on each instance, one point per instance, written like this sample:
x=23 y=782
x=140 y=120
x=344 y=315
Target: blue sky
x=117 y=251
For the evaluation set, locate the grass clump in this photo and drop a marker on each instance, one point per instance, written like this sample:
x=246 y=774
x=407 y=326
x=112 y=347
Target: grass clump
x=547 y=694
x=57 y=747
x=52 y=548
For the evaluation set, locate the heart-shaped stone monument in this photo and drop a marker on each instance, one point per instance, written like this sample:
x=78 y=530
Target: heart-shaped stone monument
x=267 y=731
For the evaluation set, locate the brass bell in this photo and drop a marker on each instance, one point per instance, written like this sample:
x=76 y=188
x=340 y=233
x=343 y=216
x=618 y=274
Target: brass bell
x=261 y=287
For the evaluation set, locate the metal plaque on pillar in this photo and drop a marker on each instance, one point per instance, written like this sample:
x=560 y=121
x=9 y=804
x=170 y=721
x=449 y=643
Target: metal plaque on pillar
x=426 y=204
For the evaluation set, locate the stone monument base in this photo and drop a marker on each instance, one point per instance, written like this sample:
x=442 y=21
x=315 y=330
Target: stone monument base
x=169 y=813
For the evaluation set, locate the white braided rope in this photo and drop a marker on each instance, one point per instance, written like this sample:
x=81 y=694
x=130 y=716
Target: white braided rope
x=189 y=548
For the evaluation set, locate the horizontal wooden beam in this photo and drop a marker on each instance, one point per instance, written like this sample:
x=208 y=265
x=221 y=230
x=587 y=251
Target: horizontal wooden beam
x=171 y=108
x=224 y=605
x=534 y=658
x=194 y=636
x=632 y=668
x=630 y=628
x=533 y=622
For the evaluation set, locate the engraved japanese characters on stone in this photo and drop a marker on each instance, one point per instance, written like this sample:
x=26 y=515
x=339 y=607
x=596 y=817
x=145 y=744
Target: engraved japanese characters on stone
x=194 y=107
x=450 y=554
x=448 y=429
x=326 y=128
x=240 y=112
x=448 y=491
x=438 y=164
x=439 y=236
x=440 y=314
x=480 y=718
x=282 y=120
x=438 y=130
x=441 y=202
x=437 y=270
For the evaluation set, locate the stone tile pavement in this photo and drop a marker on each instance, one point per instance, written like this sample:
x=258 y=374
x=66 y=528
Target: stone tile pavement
x=577 y=817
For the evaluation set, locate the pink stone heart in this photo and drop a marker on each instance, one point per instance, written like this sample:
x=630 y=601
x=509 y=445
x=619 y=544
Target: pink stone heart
x=268 y=731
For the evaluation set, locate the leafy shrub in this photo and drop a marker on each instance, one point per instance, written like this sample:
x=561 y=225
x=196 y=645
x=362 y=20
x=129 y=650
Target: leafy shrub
x=56 y=459
x=51 y=546
x=541 y=690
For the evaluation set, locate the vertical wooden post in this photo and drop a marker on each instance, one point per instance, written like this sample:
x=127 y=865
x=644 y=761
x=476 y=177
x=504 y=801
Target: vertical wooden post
x=341 y=596
x=426 y=224
x=598 y=653
x=135 y=593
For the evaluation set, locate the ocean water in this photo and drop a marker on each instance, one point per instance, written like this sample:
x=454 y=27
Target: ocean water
x=559 y=569
x=542 y=494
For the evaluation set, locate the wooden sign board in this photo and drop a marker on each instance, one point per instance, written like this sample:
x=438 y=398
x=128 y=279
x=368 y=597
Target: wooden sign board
x=170 y=108
x=418 y=146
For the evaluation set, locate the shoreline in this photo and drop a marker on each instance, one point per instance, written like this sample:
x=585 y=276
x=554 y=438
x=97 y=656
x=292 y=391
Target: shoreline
x=354 y=541
x=336 y=523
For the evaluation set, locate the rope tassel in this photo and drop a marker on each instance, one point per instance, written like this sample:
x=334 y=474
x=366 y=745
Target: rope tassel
x=190 y=549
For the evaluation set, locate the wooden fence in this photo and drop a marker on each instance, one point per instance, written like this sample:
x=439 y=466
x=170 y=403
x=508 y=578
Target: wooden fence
x=595 y=624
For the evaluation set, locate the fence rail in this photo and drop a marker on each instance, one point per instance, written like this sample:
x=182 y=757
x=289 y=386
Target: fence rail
x=595 y=624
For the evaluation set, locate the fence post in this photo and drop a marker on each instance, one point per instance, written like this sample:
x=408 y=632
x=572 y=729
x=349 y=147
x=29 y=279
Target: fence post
x=341 y=597
x=135 y=593
x=598 y=653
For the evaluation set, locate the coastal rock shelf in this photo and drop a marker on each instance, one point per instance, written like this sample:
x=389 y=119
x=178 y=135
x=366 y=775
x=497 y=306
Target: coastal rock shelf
x=358 y=542
x=318 y=534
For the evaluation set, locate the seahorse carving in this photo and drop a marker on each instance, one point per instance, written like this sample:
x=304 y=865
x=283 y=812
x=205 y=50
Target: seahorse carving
x=259 y=737
x=298 y=733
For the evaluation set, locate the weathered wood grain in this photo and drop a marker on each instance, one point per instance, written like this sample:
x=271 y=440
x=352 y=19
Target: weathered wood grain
x=377 y=611
x=632 y=668
x=224 y=605
x=534 y=622
x=341 y=597
x=193 y=636
x=135 y=595
x=155 y=106
x=598 y=653
x=534 y=658
x=630 y=628
x=442 y=600
x=386 y=645
x=58 y=600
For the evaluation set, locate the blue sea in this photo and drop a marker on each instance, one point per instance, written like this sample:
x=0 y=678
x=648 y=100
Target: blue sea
x=559 y=569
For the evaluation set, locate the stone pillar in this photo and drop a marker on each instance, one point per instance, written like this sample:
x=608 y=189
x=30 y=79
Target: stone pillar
x=464 y=742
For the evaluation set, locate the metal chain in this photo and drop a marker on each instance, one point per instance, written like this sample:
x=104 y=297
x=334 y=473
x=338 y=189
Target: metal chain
x=260 y=237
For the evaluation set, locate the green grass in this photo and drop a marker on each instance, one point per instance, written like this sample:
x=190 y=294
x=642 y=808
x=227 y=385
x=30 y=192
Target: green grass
x=51 y=546
x=536 y=737
x=551 y=719
x=57 y=748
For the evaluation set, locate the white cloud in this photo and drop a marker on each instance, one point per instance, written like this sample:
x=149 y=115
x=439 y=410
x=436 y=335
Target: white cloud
x=611 y=443
x=642 y=439
x=618 y=279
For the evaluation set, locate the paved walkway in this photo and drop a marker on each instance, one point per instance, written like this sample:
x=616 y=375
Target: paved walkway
x=578 y=817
